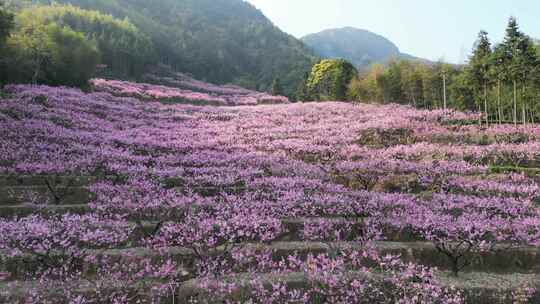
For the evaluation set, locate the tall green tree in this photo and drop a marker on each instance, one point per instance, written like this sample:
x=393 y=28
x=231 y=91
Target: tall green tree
x=433 y=85
x=367 y=86
x=31 y=48
x=530 y=78
x=330 y=79
x=6 y=24
x=391 y=80
x=126 y=51
x=63 y=44
x=514 y=46
x=461 y=91
x=411 y=82
x=74 y=58
x=49 y=54
x=479 y=69
x=302 y=93
x=500 y=74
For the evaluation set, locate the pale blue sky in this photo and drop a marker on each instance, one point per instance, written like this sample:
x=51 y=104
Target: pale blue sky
x=431 y=29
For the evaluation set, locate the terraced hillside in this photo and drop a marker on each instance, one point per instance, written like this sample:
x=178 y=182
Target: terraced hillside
x=110 y=199
x=167 y=86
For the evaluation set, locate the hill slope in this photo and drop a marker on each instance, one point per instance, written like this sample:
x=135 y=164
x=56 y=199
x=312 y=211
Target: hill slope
x=129 y=198
x=360 y=47
x=221 y=41
x=180 y=88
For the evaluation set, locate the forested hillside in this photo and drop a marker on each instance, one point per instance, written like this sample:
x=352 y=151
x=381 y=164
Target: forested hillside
x=360 y=47
x=63 y=45
x=221 y=41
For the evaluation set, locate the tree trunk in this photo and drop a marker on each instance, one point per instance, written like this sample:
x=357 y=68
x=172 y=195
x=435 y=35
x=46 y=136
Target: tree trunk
x=499 y=110
x=37 y=70
x=524 y=113
x=455 y=266
x=486 y=104
x=533 y=114
x=515 y=103
x=523 y=103
x=444 y=90
x=479 y=109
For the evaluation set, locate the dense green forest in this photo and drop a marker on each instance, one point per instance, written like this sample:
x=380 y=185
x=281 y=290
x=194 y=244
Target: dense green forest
x=501 y=80
x=63 y=45
x=221 y=41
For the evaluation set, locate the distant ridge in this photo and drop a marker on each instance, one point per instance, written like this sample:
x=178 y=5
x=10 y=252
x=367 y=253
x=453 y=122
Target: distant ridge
x=361 y=47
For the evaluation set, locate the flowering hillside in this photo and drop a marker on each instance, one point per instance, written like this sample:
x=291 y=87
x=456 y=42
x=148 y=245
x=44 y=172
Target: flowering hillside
x=184 y=89
x=110 y=199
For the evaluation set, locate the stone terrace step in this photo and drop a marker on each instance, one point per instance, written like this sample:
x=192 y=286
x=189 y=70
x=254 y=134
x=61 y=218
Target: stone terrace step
x=477 y=287
x=14 y=195
x=40 y=180
x=517 y=260
x=293 y=226
x=28 y=209
x=524 y=260
x=294 y=229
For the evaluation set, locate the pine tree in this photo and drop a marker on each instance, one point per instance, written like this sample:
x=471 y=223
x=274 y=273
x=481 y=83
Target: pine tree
x=480 y=66
x=511 y=47
x=529 y=63
x=521 y=62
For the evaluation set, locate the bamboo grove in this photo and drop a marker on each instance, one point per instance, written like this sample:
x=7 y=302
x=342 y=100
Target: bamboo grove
x=500 y=80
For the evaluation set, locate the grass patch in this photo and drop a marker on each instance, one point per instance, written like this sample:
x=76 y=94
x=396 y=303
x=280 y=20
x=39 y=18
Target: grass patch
x=528 y=171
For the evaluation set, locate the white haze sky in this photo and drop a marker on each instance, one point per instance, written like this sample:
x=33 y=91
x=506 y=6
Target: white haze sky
x=432 y=29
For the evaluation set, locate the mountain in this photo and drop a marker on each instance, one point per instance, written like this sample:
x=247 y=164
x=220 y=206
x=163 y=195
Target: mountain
x=219 y=41
x=360 y=47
